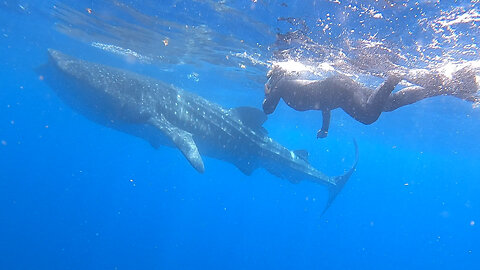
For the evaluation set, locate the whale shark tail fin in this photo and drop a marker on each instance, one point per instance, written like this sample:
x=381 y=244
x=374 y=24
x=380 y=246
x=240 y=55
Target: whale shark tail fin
x=340 y=181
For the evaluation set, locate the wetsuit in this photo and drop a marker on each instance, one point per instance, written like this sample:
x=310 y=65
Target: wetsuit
x=362 y=103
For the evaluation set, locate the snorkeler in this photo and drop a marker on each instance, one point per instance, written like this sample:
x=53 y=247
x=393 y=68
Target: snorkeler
x=363 y=104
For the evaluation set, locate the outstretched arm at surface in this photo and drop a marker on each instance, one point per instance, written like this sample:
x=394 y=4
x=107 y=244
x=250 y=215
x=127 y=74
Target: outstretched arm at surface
x=322 y=133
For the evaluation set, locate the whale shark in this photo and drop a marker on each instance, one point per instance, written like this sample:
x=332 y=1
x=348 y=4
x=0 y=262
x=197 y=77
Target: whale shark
x=165 y=115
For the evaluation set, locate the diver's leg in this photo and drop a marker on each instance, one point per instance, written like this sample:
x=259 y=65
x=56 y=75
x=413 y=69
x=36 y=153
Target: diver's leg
x=409 y=95
x=377 y=99
x=367 y=110
x=463 y=85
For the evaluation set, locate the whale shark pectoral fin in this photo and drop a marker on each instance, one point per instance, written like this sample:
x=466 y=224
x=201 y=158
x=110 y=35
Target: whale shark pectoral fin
x=246 y=168
x=154 y=144
x=293 y=180
x=182 y=139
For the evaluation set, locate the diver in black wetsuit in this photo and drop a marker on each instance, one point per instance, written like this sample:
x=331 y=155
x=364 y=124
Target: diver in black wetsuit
x=363 y=104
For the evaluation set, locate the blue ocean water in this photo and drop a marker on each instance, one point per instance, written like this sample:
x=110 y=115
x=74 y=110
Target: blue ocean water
x=77 y=195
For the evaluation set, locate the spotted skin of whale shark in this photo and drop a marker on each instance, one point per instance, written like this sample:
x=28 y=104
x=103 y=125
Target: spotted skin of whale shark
x=166 y=115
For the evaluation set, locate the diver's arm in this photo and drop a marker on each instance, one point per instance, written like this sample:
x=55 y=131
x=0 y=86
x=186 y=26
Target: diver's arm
x=325 y=125
x=272 y=96
x=270 y=103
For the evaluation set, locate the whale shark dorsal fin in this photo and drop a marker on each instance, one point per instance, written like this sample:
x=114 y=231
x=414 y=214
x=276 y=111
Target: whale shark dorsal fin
x=182 y=139
x=250 y=116
x=301 y=153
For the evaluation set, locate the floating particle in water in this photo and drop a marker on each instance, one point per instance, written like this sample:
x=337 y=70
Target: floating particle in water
x=89 y=10
x=194 y=76
x=4 y=143
x=472 y=223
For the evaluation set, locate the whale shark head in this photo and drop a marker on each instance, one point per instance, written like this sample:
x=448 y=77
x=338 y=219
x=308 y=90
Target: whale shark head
x=64 y=75
x=81 y=85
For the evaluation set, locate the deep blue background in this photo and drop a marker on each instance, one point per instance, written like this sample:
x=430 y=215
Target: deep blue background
x=76 y=195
